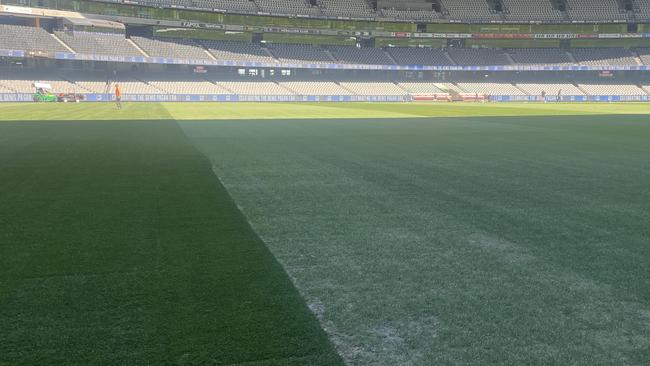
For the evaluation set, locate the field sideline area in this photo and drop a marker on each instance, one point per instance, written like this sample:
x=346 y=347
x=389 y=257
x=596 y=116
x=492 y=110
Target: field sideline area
x=324 y=234
x=228 y=111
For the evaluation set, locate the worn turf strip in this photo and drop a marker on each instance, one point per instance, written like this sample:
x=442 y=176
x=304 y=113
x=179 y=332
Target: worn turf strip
x=461 y=241
x=118 y=246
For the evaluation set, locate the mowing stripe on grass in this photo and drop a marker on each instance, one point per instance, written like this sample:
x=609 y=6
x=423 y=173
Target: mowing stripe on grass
x=119 y=246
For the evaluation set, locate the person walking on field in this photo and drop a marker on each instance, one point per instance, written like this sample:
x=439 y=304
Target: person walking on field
x=118 y=96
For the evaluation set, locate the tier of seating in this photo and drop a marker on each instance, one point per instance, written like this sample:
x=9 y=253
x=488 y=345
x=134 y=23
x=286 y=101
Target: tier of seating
x=128 y=85
x=373 y=88
x=161 y=84
x=99 y=43
x=479 y=57
x=526 y=9
x=245 y=6
x=292 y=7
x=190 y=85
x=254 y=88
x=412 y=15
x=13 y=37
x=315 y=88
x=604 y=56
x=644 y=55
x=454 y=10
x=550 y=89
x=642 y=9
x=178 y=48
x=420 y=56
x=238 y=51
x=25 y=84
x=470 y=10
x=347 y=8
x=611 y=89
x=540 y=56
x=491 y=88
x=299 y=53
x=423 y=88
x=16 y=37
x=354 y=55
x=599 y=10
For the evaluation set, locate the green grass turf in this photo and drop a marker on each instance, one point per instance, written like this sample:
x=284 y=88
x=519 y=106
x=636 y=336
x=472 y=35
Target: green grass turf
x=228 y=111
x=481 y=239
x=455 y=241
x=118 y=246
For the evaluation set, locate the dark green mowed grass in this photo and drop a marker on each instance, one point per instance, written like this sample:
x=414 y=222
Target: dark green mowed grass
x=118 y=246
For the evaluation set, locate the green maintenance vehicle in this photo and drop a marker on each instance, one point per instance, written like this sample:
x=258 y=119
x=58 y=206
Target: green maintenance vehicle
x=44 y=93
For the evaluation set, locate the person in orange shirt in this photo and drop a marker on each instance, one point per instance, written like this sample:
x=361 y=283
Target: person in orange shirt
x=118 y=96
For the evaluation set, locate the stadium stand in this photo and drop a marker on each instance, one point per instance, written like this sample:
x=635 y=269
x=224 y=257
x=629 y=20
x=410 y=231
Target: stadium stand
x=180 y=48
x=16 y=37
x=185 y=84
x=347 y=8
x=604 y=56
x=490 y=88
x=237 y=6
x=422 y=87
x=5 y=90
x=540 y=56
x=355 y=55
x=479 y=57
x=98 y=43
x=642 y=9
x=29 y=38
x=253 y=88
x=611 y=89
x=451 y=88
x=551 y=89
x=237 y=51
x=299 y=53
x=373 y=88
x=420 y=56
x=601 y=10
x=162 y=84
x=291 y=7
x=128 y=84
x=24 y=83
x=526 y=10
x=470 y=10
x=644 y=55
x=412 y=15
x=315 y=88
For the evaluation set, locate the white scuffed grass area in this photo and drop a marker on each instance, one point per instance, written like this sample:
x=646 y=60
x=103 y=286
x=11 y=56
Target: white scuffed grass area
x=455 y=241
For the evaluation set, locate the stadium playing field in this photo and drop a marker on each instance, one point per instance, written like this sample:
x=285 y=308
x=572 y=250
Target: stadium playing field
x=317 y=234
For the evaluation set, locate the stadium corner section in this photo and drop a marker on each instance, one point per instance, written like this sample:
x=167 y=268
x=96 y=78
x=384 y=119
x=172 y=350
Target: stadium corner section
x=122 y=247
